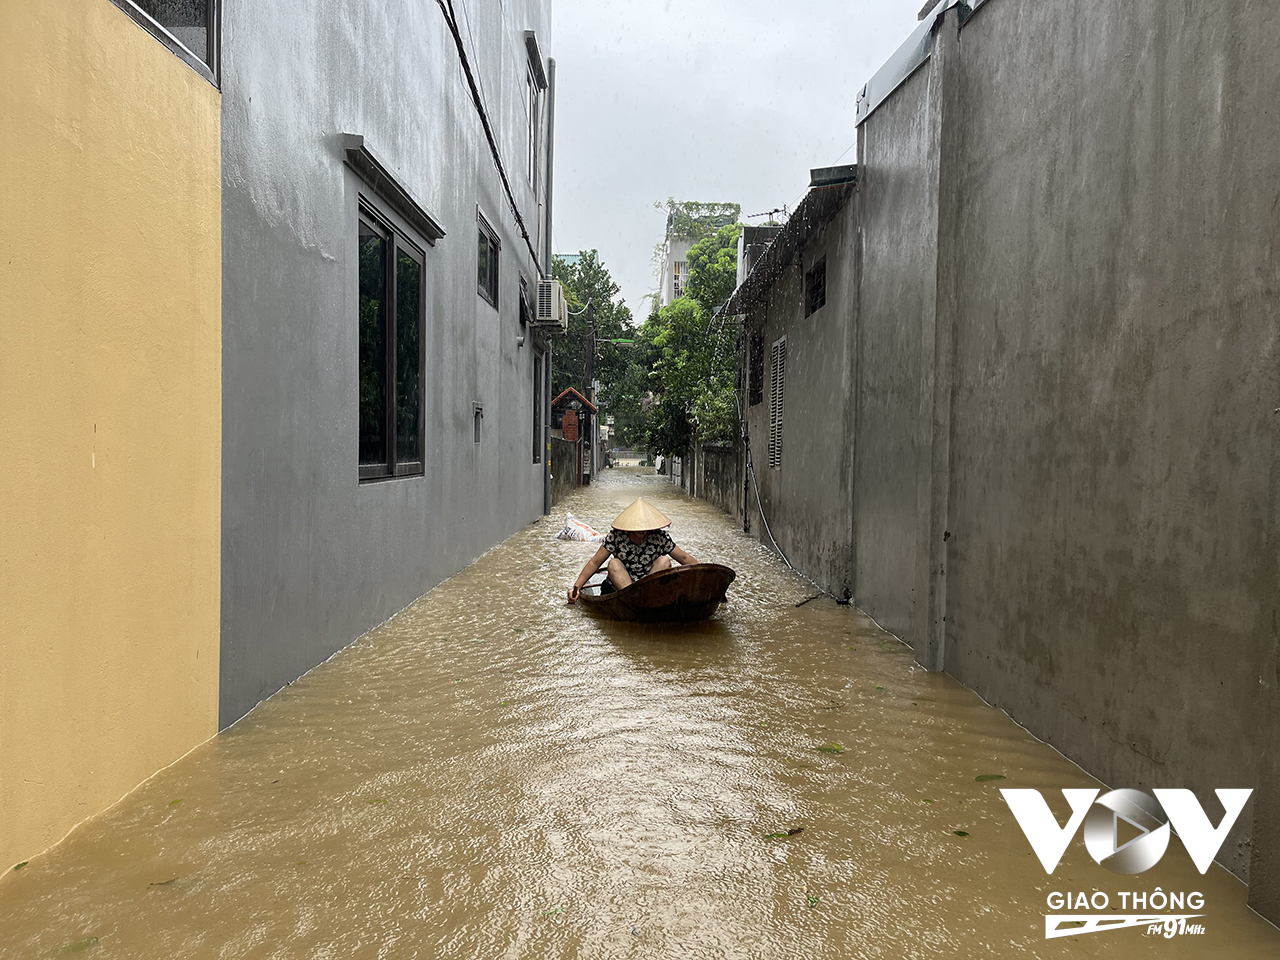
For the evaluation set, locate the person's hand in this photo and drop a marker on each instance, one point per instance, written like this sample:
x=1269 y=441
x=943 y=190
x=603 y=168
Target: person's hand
x=574 y=592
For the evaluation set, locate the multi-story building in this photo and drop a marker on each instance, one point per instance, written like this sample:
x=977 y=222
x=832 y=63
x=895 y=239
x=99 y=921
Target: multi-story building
x=268 y=372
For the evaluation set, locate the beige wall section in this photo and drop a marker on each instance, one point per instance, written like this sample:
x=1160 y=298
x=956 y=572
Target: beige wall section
x=110 y=413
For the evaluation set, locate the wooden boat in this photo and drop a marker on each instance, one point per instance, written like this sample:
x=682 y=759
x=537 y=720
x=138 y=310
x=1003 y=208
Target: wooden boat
x=679 y=595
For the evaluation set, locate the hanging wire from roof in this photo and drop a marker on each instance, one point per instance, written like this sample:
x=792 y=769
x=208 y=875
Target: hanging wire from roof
x=451 y=21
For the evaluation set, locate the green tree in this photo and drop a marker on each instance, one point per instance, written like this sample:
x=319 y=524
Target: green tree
x=586 y=279
x=690 y=352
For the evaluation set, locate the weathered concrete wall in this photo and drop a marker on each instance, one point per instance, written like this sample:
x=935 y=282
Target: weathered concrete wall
x=311 y=557
x=898 y=194
x=807 y=498
x=722 y=478
x=1115 y=375
x=564 y=464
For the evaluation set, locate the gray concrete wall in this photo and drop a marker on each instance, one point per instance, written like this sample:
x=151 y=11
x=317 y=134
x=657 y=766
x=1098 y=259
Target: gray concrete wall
x=1064 y=382
x=721 y=482
x=898 y=194
x=807 y=499
x=564 y=466
x=311 y=558
x=1115 y=377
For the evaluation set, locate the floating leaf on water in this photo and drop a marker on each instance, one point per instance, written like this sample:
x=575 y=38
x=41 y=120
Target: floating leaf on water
x=985 y=777
x=77 y=945
x=506 y=703
x=961 y=833
x=19 y=866
x=174 y=803
x=162 y=883
x=553 y=910
x=928 y=801
x=831 y=748
x=878 y=687
x=812 y=901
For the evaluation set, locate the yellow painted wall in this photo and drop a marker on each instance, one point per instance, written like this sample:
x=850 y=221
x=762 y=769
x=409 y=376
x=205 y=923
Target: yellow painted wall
x=110 y=413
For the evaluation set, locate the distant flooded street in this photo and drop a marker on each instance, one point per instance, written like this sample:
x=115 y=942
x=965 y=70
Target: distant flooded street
x=493 y=774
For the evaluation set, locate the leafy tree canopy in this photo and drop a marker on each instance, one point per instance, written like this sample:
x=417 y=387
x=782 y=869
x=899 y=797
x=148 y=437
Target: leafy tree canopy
x=694 y=220
x=586 y=279
x=691 y=352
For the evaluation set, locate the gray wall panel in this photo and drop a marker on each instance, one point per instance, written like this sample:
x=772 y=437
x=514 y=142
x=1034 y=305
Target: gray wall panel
x=311 y=557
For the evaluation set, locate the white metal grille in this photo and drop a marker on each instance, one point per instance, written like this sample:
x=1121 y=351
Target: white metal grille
x=777 y=386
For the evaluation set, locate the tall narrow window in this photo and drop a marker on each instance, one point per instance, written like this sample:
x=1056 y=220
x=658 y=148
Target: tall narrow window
x=487 y=260
x=532 y=117
x=537 y=407
x=391 y=346
x=777 y=387
x=755 y=370
x=679 y=277
x=815 y=287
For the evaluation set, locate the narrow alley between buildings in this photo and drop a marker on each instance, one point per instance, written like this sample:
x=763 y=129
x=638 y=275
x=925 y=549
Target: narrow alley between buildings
x=491 y=773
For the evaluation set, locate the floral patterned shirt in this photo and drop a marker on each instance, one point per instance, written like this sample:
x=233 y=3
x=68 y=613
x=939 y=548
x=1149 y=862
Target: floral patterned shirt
x=638 y=557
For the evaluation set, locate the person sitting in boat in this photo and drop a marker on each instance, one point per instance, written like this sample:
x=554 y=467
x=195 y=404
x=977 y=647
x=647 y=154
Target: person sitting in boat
x=636 y=546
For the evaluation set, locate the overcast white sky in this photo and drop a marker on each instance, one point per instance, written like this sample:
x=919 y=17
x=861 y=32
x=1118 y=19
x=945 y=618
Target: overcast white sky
x=715 y=100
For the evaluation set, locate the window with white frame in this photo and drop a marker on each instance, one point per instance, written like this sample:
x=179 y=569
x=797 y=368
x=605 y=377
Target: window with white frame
x=679 y=278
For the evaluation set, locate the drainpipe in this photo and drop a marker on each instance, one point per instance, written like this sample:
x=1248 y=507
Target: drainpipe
x=546 y=272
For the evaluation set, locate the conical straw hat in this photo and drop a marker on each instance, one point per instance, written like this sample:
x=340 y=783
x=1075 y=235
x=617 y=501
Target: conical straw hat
x=641 y=515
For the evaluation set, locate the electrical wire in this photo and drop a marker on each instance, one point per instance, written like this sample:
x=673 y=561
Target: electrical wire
x=446 y=7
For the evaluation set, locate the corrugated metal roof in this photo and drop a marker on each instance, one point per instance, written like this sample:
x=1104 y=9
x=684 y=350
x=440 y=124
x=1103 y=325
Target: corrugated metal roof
x=819 y=205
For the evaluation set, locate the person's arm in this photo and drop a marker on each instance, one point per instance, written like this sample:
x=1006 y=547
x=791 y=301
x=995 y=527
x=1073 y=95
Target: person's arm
x=680 y=557
x=598 y=560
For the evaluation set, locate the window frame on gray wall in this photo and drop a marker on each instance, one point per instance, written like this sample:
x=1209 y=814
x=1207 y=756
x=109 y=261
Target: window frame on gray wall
x=208 y=65
x=488 y=258
x=400 y=244
x=815 y=287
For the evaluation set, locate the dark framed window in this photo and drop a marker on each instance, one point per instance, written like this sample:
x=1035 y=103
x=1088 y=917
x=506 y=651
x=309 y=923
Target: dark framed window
x=392 y=298
x=537 y=407
x=815 y=287
x=488 y=260
x=190 y=28
x=755 y=371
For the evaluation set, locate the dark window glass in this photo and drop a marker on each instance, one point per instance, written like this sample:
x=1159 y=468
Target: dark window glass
x=755 y=375
x=815 y=284
x=373 y=345
x=487 y=272
x=408 y=357
x=537 y=408
x=186 y=20
x=392 y=288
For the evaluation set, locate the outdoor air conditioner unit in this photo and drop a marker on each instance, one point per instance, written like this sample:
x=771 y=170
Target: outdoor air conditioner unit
x=552 y=310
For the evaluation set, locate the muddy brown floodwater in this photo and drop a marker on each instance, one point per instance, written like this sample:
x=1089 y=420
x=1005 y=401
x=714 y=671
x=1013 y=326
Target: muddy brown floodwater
x=492 y=774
